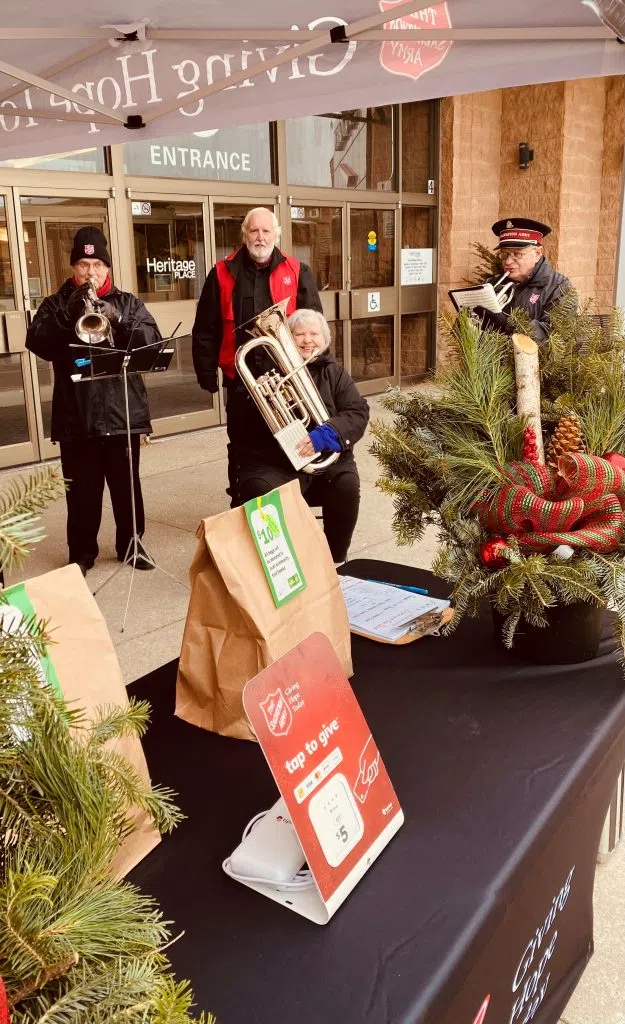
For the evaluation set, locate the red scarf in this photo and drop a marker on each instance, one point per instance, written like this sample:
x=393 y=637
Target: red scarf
x=100 y=292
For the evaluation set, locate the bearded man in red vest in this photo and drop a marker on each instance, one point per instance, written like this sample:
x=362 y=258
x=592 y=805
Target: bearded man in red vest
x=237 y=289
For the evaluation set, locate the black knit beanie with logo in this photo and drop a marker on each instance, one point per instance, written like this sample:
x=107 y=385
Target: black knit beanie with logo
x=90 y=244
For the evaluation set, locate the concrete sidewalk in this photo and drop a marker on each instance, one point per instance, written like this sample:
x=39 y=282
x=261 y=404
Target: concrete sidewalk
x=184 y=480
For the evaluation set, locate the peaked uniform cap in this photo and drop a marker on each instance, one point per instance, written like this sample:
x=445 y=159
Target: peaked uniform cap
x=513 y=232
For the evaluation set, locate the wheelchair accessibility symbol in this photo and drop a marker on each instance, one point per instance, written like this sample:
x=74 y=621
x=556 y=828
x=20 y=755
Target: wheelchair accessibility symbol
x=373 y=302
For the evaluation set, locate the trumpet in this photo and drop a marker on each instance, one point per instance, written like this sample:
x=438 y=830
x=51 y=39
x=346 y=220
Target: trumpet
x=286 y=396
x=93 y=328
x=504 y=295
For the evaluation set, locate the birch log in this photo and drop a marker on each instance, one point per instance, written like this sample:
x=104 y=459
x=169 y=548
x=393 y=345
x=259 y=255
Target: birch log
x=528 y=386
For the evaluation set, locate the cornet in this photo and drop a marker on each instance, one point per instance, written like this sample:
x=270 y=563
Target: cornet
x=286 y=397
x=504 y=295
x=93 y=328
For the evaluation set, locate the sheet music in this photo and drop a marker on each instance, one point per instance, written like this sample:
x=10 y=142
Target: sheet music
x=382 y=610
x=482 y=295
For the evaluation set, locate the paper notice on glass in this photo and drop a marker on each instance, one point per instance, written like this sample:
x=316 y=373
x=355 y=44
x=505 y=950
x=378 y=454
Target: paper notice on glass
x=416 y=266
x=481 y=295
x=384 y=611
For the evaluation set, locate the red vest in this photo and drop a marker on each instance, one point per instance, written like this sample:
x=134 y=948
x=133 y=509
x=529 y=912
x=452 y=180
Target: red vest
x=283 y=284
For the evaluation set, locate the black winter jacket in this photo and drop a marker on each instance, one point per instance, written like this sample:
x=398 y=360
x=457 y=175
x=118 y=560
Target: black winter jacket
x=348 y=414
x=208 y=326
x=538 y=294
x=92 y=408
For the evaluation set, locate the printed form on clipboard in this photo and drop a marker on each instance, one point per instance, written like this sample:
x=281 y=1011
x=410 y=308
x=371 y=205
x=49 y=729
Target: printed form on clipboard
x=386 y=613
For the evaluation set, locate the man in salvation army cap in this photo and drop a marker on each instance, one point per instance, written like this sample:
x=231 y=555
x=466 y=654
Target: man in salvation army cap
x=536 y=286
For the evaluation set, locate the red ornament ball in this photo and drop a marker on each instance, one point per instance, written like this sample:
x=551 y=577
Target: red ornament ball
x=492 y=551
x=616 y=460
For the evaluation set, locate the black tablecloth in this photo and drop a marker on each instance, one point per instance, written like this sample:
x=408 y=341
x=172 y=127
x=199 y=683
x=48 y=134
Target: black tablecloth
x=504 y=772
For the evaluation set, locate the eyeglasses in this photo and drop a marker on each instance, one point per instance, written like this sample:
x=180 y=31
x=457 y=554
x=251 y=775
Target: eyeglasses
x=505 y=254
x=91 y=265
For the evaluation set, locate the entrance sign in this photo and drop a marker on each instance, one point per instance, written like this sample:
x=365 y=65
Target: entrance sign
x=416 y=266
x=328 y=769
x=373 y=302
x=241 y=153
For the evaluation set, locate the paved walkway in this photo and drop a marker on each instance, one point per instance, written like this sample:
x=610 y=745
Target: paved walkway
x=184 y=480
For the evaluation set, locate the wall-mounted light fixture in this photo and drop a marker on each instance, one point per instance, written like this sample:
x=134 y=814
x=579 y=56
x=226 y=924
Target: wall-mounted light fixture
x=526 y=155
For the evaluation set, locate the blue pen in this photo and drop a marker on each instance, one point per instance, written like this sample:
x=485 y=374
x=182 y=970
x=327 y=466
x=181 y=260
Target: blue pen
x=398 y=586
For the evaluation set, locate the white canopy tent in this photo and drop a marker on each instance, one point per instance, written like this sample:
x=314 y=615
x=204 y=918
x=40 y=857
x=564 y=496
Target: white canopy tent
x=160 y=69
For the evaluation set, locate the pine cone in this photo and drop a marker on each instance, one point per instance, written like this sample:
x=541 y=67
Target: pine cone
x=567 y=438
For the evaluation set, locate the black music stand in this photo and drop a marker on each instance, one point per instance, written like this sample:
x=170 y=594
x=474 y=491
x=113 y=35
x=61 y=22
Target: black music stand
x=102 y=362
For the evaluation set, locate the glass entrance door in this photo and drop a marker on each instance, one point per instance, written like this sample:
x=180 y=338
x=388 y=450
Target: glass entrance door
x=49 y=223
x=318 y=239
x=374 y=299
x=417 y=291
x=16 y=406
x=169 y=238
x=351 y=251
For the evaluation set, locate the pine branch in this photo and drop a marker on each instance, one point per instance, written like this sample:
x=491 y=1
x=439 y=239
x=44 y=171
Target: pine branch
x=20 y=506
x=488 y=264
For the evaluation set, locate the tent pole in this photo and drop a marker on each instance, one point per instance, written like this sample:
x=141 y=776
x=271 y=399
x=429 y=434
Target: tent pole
x=58 y=90
x=54 y=115
x=279 y=35
x=62 y=65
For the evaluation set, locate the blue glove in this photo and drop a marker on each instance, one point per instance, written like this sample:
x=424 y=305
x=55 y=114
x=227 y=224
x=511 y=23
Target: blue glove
x=325 y=439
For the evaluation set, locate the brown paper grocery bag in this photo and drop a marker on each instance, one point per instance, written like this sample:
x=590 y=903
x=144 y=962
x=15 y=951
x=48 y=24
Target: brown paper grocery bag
x=234 y=628
x=89 y=676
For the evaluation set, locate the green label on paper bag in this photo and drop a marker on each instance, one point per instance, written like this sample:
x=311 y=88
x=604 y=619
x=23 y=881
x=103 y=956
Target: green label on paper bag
x=13 y=613
x=282 y=569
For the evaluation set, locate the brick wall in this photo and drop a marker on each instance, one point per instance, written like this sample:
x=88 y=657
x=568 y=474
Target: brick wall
x=469 y=192
x=533 y=114
x=611 y=191
x=415 y=169
x=581 y=185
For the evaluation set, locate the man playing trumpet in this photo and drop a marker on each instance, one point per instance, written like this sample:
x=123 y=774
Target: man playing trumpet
x=89 y=418
x=531 y=282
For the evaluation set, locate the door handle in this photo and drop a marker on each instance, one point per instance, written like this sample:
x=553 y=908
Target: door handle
x=343 y=305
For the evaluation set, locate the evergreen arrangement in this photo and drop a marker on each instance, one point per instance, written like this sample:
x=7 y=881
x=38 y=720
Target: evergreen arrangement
x=524 y=530
x=76 y=945
x=488 y=264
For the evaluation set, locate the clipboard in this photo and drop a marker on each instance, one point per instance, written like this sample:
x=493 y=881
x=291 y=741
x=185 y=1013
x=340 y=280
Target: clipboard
x=414 y=634
x=390 y=613
x=475 y=295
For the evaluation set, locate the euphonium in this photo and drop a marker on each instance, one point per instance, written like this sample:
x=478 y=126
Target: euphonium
x=286 y=395
x=504 y=295
x=93 y=328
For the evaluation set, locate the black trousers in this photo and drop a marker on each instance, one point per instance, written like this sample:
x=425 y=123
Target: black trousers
x=89 y=463
x=232 y=488
x=337 y=490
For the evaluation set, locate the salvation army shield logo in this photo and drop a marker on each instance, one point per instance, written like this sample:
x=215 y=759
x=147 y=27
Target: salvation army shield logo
x=404 y=57
x=89 y=249
x=277 y=713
